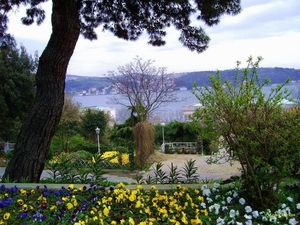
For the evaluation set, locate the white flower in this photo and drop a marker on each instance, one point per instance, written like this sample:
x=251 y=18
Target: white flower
x=203 y=205
x=273 y=219
x=255 y=214
x=292 y=221
x=209 y=200
x=224 y=208
x=248 y=209
x=204 y=186
x=249 y=222
x=283 y=205
x=229 y=199
x=242 y=201
x=232 y=213
x=217 y=207
x=220 y=221
x=290 y=199
x=238 y=223
x=248 y=217
x=206 y=192
x=235 y=194
x=298 y=206
x=217 y=185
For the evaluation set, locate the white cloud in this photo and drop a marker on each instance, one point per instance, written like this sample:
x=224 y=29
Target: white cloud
x=267 y=28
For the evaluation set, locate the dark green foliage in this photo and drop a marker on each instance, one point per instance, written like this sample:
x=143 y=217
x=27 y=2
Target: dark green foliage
x=17 y=89
x=90 y=119
x=78 y=167
x=176 y=131
x=121 y=134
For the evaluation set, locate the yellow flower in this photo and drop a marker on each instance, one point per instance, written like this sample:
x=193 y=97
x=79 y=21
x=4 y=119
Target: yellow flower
x=183 y=218
x=138 y=204
x=109 y=154
x=131 y=221
x=148 y=211
x=23 y=192
x=71 y=186
x=113 y=222
x=69 y=205
x=132 y=197
x=205 y=212
x=53 y=207
x=106 y=211
x=120 y=185
x=6 y=216
x=153 y=188
x=196 y=221
x=65 y=199
x=200 y=198
x=119 y=198
x=25 y=208
x=93 y=160
x=20 y=201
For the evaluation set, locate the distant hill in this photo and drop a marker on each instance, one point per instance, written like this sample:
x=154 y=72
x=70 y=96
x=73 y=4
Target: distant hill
x=276 y=75
x=76 y=84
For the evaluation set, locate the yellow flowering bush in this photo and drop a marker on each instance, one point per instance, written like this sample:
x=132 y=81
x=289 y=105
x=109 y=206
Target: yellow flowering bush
x=115 y=157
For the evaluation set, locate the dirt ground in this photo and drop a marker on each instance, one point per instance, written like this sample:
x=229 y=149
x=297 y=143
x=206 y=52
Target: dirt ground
x=206 y=171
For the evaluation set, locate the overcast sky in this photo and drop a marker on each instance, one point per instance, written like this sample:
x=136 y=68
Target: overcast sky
x=268 y=28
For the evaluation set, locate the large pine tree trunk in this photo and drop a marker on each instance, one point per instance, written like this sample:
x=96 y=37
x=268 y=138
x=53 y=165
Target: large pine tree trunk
x=37 y=131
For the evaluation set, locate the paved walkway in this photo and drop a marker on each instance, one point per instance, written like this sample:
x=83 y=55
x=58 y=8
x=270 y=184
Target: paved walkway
x=109 y=177
x=205 y=171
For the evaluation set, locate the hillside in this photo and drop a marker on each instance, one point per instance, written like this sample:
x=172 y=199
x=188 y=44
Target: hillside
x=276 y=75
x=84 y=84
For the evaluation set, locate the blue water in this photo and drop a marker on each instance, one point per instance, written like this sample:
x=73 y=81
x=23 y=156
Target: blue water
x=169 y=111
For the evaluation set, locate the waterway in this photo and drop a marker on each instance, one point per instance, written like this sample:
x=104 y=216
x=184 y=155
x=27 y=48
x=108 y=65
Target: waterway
x=167 y=112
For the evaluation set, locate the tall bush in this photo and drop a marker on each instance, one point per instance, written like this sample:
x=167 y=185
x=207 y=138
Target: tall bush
x=254 y=127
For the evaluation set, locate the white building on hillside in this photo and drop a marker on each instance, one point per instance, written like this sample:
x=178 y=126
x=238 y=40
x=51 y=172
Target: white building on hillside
x=188 y=110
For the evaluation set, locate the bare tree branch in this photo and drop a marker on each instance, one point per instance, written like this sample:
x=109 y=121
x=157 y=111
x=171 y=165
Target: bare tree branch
x=143 y=87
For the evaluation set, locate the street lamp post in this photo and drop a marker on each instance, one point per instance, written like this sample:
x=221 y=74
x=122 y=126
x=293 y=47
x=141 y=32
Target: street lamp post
x=163 y=133
x=98 y=132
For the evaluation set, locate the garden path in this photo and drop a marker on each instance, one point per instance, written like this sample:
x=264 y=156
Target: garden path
x=205 y=171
